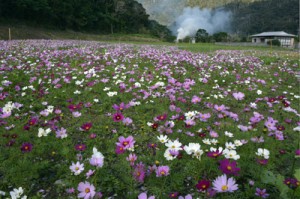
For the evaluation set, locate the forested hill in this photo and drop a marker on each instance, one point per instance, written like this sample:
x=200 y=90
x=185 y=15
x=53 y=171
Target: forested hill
x=267 y=15
x=97 y=16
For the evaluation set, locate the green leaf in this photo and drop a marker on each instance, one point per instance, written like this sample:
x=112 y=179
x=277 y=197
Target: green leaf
x=297 y=174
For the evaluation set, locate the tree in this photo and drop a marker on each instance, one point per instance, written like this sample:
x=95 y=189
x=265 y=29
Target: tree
x=220 y=36
x=202 y=36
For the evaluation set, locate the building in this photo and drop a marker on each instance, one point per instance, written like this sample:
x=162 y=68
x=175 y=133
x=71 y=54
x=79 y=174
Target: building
x=286 y=40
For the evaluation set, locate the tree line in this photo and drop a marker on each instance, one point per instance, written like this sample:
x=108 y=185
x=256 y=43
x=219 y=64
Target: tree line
x=98 y=16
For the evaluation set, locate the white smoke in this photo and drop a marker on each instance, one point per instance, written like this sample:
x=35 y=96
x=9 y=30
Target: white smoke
x=193 y=19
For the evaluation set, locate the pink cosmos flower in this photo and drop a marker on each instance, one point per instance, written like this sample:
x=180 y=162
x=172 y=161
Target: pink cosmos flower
x=144 y=196
x=126 y=143
x=77 y=168
x=87 y=190
x=97 y=158
x=131 y=158
x=222 y=184
x=162 y=171
x=196 y=99
x=238 y=96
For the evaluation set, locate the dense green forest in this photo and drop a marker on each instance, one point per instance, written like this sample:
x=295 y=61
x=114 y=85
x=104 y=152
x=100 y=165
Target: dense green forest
x=266 y=15
x=129 y=16
x=96 y=16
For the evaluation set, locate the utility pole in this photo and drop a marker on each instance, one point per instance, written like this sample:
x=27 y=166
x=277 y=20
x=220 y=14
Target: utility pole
x=9 y=34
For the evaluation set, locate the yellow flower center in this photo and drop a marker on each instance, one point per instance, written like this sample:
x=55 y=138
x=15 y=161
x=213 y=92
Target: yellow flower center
x=125 y=143
x=162 y=173
x=229 y=167
x=204 y=186
x=76 y=168
x=224 y=187
x=87 y=190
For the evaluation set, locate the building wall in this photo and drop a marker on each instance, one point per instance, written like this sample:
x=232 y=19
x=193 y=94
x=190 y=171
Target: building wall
x=285 y=41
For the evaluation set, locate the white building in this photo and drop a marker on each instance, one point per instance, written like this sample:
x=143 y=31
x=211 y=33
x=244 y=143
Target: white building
x=286 y=40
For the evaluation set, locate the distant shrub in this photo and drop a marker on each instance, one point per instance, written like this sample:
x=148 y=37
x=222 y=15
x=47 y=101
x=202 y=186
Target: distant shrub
x=274 y=42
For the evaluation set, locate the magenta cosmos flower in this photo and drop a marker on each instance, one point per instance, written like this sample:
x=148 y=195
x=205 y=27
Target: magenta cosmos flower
x=118 y=117
x=86 y=190
x=86 y=126
x=26 y=147
x=228 y=167
x=222 y=184
x=162 y=171
x=126 y=143
x=203 y=185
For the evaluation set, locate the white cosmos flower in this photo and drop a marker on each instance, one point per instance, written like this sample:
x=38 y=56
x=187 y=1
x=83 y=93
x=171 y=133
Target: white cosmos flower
x=16 y=193
x=231 y=154
x=77 y=92
x=174 y=145
x=206 y=141
x=162 y=138
x=168 y=155
x=297 y=128
x=259 y=92
x=228 y=134
x=110 y=94
x=238 y=143
x=230 y=145
x=192 y=148
x=214 y=141
x=263 y=152
x=43 y=132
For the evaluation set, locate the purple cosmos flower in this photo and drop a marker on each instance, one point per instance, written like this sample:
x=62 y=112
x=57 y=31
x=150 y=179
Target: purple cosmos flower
x=26 y=147
x=121 y=107
x=228 y=167
x=189 y=196
x=87 y=190
x=162 y=171
x=127 y=121
x=196 y=99
x=139 y=172
x=61 y=133
x=297 y=153
x=261 y=193
x=238 y=96
x=292 y=183
x=222 y=184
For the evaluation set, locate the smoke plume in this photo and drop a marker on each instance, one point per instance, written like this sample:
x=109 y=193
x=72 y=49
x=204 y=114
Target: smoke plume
x=193 y=19
x=184 y=21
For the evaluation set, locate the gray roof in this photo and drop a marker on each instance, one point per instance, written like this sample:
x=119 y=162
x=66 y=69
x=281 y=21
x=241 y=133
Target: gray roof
x=276 y=33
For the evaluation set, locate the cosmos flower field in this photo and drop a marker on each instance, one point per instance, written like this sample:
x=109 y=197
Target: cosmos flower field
x=86 y=120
